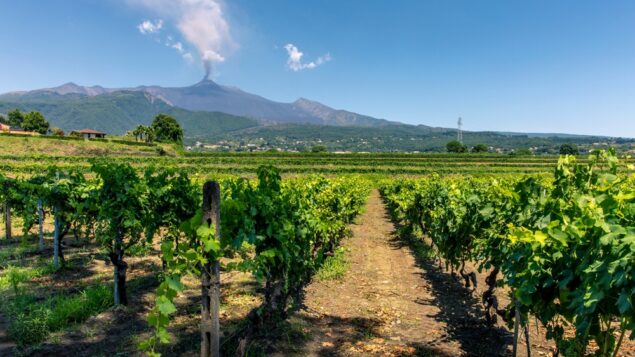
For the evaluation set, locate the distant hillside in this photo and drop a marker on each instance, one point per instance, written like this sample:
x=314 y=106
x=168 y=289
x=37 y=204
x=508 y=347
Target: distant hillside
x=398 y=137
x=118 y=112
x=212 y=97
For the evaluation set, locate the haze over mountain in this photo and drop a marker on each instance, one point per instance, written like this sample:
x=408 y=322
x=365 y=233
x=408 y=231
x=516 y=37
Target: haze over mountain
x=209 y=96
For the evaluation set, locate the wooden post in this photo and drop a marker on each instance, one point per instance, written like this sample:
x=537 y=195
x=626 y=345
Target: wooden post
x=56 y=240
x=516 y=324
x=210 y=279
x=58 y=230
x=7 y=219
x=40 y=215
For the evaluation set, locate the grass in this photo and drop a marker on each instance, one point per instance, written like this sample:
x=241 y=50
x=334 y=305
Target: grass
x=334 y=267
x=15 y=253
x=18 y=145
x=13 y=276
x=31 y=321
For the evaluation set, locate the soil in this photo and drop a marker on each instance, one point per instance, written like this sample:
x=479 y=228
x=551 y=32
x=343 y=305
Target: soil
x=396 y=301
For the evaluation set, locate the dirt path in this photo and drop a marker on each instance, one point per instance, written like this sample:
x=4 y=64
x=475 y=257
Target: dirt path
x=390 y=304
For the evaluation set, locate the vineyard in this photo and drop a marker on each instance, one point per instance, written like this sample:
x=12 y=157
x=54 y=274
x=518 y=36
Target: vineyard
x=177 y=254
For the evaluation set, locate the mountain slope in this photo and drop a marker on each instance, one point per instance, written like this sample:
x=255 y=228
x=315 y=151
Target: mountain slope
x=212 y=97
x=396 y=138
x=118 y=112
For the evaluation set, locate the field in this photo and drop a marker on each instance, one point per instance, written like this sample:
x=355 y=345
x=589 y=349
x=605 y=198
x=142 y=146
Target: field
x=318 y=254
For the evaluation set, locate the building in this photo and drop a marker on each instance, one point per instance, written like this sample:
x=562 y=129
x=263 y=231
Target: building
x=88 y=134
x=7 y=129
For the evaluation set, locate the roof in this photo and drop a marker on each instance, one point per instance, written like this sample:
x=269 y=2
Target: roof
x=88 y=131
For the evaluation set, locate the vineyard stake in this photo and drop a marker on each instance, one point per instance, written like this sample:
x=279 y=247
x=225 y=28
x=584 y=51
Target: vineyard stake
x=526 y=328
x=56 y=234
x=7 y=219
x=210 y=277
x=40 y=216
x=516 y=323
x=56 y=240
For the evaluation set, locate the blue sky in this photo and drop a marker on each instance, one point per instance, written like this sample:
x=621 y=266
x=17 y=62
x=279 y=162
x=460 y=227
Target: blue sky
x=533 y=66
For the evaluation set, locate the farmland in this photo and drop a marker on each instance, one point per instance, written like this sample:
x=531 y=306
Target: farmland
x=428 y=254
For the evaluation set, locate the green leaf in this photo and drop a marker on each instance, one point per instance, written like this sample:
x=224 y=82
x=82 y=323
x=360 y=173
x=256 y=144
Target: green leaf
x=212 y=245
x=624 y=302
x=174 y=283
x=165 y=305
x=204 y=230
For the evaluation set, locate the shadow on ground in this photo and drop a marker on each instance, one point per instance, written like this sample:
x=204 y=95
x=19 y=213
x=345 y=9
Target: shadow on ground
x=460 y=310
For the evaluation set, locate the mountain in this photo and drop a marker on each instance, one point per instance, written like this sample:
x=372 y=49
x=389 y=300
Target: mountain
x=210 y=96
x=211 y=112
x=116 y=112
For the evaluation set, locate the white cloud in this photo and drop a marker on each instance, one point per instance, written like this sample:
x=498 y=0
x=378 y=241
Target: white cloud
x=148 y=27
x=188 y=57
x=294 y=62
x=201 y=23
x=178 y=47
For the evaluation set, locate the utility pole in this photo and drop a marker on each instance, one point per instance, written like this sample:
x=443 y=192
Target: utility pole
x=459 y=133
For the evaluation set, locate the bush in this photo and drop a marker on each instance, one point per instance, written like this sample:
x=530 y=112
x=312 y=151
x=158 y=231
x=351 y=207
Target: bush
x=455 y=146
x=521 y=152
x=569 y=149
x=318 y=148
x=479 y=148
x=57 y=132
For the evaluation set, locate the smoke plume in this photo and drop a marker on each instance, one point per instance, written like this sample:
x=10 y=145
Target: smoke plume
x=294 y=62
x=201 y=23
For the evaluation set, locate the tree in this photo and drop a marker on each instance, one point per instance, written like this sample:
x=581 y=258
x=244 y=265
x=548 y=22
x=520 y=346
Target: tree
x=34 y=121
x=480 y=148
x=4 y=120
x=167 y=129
x=455 y=146
x=16 y=117
x=569 y=149
x=57 y=132
x=318 y=148
x=142 y=132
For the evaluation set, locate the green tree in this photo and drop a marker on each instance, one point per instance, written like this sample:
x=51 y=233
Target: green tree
x=4 y=120
x=318 y=148
x=569 y=149
x=167 y=129
x=16 y=117
x=144 y=133
x=480 y=148
x=455 y=146
x=35 y=121
x=57 y=132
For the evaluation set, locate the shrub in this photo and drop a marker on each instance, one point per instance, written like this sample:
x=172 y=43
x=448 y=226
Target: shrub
x=569 y=149
x=455 y=146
